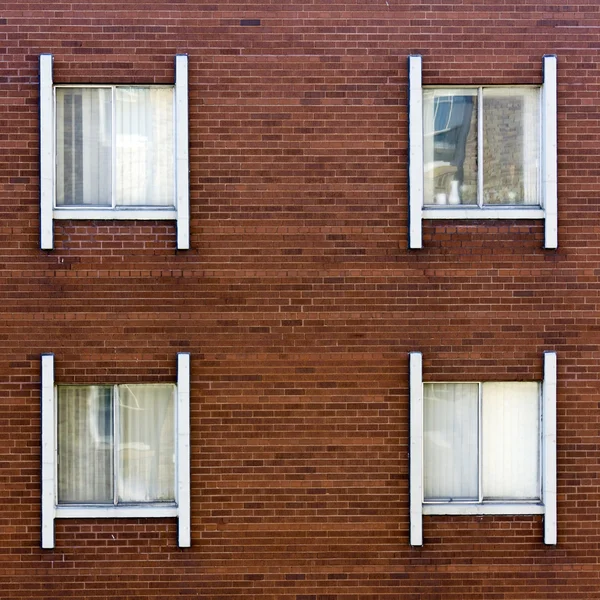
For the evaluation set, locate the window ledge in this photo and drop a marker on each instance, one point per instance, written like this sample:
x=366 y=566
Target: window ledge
x=509 y=212
x=154 y=213
x=111 y=511
x=487 y=508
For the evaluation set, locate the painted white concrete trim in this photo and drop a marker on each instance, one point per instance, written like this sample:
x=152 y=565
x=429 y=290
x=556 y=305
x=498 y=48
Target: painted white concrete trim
x=500 y=508
x=548 y=505
x=484 y=213
x=46 y=152
x=548 y=158
x=48 y=450
x=183 y=450
x=96 y=214
x=50 y=508
x=182 y=159
x=141 y=511
x=416 y=448
x=48 y=212
x=549 y=151
x=549 y=447
x=415 y=152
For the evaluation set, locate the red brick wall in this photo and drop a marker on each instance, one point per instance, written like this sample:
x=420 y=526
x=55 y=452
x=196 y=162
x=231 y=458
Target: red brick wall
x=299 y=300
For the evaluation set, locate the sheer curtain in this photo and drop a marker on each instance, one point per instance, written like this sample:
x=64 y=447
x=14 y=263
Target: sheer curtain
x=145 y=147
x=146 y=443
x=85 y=444
x=511 y=439
x=450 y=417
x=143 y=159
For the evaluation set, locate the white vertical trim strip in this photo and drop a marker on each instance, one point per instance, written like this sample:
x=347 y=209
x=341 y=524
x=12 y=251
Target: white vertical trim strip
x=182 y=159
x=46 y=152
x=549 y=152
x=415 y=152
x=48 y=451
x=416 y=449
x=183 y=449
x=549 y=448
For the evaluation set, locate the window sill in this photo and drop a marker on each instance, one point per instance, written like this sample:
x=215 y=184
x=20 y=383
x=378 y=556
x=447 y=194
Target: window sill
x=93 y=214
x=509 y=212
x=111 y=511
x=491 y=508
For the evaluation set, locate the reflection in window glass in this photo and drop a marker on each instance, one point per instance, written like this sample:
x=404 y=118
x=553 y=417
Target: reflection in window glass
x=501 y=168
x=450 y=146
x=510 y=146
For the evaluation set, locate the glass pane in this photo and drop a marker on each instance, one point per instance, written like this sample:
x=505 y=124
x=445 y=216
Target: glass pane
x=510 y=146
x=145 y=147
x=511 y=440
x=85 y=445
x=147 y=443
x=83 y=147
x=450 y=441
x=450 y=146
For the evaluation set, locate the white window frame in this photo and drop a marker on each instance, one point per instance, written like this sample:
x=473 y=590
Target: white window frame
x=179 y=509
x=548 y=211
x=545 y=506
x=49 y=211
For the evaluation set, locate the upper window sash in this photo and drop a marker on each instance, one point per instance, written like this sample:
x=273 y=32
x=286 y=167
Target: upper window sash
x=51 y=510
x=546 y=505
x=48 y=178
x=546 y=206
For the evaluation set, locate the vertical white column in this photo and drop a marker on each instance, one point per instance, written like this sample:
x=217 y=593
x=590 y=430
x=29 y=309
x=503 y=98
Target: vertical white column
x=48 y=451
x=46 y=152
x=415 y=152
x=549 y=152
x=416 y=448
x=182 y=159
x=183 y=450
x=549 y=448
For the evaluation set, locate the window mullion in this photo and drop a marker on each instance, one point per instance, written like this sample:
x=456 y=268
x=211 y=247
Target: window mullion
x=480 y=147
x=116 y=443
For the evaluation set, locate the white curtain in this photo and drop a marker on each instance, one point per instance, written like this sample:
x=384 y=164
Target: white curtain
x=143 y=159
x=511 y=439
x=83 y=147
x=85 y=444
x=146 y=443
x=145 y=146
x=450 y=413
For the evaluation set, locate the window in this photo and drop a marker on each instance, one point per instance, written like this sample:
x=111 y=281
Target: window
x=481 y=441
x=483 y=448
x=115 y=450
x=483 y=152
x=481 y=147
x=114 y=151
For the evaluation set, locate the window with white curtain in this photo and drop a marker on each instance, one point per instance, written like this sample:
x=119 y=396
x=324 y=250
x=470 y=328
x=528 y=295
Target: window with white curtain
x=483 y=448
x=116 y=444
x=115 y=146
x=481 y=441
x=116 y=450
x=111 y=151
